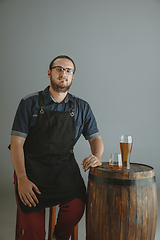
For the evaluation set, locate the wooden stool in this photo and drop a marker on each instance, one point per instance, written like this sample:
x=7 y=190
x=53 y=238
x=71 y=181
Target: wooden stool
x=52 y=220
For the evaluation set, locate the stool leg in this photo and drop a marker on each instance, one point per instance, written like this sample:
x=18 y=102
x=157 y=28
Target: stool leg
x=75 y=233
x=52 y=220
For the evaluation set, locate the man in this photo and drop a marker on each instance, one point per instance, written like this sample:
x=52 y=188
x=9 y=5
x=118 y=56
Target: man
x=46 y=127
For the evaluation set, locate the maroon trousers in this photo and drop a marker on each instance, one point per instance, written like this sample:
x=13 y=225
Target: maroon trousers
x=33 y=224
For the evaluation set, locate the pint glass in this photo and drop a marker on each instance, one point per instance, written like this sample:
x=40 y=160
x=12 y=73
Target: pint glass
x=126 y=148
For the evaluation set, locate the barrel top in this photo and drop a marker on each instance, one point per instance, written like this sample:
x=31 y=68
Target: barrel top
x=134 y=167
x=136 y=170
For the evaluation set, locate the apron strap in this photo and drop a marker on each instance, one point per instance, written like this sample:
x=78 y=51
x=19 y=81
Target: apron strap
x=41 y=101
x=41 y=104
x=72 y=108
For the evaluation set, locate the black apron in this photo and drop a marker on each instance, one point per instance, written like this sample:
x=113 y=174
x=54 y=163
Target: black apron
x=49 y=159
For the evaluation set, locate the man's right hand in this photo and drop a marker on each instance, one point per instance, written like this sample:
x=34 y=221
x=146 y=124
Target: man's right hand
x=26 y=193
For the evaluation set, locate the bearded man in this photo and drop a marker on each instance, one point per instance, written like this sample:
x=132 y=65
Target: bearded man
x=46 y=127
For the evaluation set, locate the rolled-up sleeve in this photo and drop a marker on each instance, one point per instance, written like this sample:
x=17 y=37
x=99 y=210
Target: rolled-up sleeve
x=90 y=129
x=21 y=120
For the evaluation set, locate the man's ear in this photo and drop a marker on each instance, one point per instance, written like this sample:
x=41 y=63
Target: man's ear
x=49 y=73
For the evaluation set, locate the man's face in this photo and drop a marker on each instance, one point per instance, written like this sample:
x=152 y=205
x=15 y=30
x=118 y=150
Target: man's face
x=61 y=81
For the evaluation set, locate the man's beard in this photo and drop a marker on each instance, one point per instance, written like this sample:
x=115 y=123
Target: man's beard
x=58 y=88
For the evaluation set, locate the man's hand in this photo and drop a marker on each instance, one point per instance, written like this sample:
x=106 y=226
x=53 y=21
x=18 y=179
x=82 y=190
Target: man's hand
x=97 y=149
x=25 y=187
x=26 y=193
x=91 y=161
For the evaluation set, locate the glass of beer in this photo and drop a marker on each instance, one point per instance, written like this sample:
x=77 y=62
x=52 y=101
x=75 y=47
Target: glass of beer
x=115 y=161
x=126 y=143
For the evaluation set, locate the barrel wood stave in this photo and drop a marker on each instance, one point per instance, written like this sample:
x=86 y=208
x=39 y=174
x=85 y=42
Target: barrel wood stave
x=121 y=212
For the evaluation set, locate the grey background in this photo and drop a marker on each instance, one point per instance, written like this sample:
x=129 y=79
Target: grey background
x=116 y=47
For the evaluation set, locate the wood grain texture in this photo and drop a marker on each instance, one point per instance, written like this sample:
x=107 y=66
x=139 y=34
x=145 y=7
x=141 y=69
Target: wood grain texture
x=119 y=212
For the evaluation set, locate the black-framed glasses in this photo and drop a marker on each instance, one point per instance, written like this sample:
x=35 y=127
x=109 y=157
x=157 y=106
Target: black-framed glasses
x=61 y=69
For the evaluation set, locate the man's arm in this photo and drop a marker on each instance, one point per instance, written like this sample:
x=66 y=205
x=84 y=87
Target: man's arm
x=95 y=159
x=25 y=187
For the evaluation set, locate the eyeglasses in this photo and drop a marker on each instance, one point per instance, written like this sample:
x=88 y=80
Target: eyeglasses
x=61 y=69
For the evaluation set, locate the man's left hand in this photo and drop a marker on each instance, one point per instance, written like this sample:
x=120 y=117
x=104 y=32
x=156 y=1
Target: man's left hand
x=91 y=161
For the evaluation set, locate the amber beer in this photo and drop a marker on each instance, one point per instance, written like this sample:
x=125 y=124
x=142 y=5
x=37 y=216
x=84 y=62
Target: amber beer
x=115 y=161
x=126 y=148
x=115 y=167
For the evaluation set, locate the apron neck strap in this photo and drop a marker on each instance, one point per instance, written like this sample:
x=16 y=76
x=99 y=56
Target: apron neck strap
x=41 y=101
x=72 y=107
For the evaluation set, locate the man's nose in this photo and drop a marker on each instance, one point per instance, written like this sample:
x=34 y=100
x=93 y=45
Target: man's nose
x=63 y=72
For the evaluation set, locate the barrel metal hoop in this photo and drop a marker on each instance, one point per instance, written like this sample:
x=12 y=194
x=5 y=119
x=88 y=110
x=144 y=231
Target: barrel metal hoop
x=122 y=182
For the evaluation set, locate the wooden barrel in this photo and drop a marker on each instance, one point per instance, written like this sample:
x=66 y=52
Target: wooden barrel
x=121 y=205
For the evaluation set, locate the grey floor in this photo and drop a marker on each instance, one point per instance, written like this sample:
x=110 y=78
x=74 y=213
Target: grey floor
x=8 y=218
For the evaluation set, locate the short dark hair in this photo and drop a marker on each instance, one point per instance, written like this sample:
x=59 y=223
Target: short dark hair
x=62 y=56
